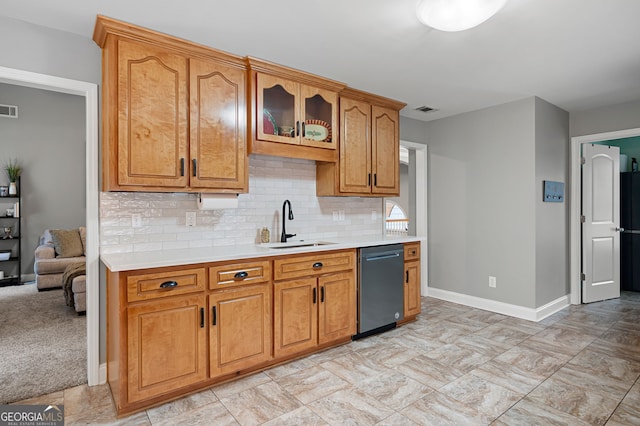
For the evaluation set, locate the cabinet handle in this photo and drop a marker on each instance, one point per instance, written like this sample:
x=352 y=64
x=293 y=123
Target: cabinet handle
x=169 y=284
x=314 y=296
x=241 y=275
x=413 y=252
x=201 y=317
x=182 y=167
x=303 y=130
x=369 y=180
x=297 y=128
x=194 y=162
x=407 y=274
x=375 y=179
x=317 y=265
x=322 y=294
x=214 y=316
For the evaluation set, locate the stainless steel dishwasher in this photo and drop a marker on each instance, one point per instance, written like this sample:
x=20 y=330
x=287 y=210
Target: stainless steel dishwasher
x=380 y=288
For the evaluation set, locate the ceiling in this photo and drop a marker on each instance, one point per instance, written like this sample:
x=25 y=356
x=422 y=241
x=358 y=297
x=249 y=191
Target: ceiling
x=576 y=54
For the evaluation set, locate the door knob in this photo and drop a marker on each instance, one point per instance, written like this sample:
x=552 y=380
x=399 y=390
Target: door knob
x=620 y=229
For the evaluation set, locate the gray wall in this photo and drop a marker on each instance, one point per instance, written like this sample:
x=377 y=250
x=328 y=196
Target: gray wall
x=482 y=203
x=48 y=140
x=403 y=199
x=552 y=219
x=606 y=119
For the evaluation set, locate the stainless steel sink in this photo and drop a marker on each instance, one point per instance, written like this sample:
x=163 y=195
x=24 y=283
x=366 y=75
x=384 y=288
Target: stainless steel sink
x=298 y=244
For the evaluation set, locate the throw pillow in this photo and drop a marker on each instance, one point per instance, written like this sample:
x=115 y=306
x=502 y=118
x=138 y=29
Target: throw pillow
x=67 y=242
x=83 y=238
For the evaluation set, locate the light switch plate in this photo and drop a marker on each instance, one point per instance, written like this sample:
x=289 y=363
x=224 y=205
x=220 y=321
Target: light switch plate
x=191 y=218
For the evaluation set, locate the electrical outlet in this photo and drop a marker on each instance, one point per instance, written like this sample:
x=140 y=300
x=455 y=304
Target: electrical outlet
x=191 y=218
x=341 y=215
x=136 y=220
x=336 y=216
x=492 y=282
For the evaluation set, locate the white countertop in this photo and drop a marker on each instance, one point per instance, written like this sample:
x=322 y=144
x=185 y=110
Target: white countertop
x=117 y=262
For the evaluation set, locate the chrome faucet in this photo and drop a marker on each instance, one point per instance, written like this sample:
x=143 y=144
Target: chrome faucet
x=284 y=236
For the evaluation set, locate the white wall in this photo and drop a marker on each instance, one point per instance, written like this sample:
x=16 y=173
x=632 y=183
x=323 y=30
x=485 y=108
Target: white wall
x=605 y=119
x=552 y=219
x=271 y=181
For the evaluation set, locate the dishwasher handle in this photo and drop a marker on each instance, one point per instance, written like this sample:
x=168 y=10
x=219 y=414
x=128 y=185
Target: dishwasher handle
x=383 y=256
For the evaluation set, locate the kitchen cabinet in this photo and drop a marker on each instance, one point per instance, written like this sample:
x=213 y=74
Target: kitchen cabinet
x=295 y=114
x=369 y=148
x=156 y=333
x=313 y=304
x=174 y=113
x=240 y=325
x=412 y=301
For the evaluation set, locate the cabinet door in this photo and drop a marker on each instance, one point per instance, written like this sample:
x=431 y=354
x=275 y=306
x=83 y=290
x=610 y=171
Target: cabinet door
x=337 y=308
x=355 y=146
x=411 y=288
x=385 y=151
x=296 y=316
x=152 y=117
x=278 y=114
x=240 y=329
x=218 y=142
x=166 y=345
x=320 y=115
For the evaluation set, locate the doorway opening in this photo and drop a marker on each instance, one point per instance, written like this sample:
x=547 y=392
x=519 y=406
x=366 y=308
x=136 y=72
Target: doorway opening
x=576 y=266
x=95 y=374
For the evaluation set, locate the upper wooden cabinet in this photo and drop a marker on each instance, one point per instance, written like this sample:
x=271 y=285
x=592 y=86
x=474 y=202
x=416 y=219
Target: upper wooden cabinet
x=295 y=114
x=369 y=148
x=174 y=113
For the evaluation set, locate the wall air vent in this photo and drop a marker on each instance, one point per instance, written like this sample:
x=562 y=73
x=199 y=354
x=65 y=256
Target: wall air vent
x=10 y=111
x=425 y=109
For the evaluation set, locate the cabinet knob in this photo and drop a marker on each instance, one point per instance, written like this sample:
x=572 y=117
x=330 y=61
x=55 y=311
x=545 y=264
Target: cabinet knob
x=169 y=284
x=241 y=275
x=317 y=265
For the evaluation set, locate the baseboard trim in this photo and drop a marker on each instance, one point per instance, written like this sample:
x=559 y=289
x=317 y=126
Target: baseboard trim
x=529 y=314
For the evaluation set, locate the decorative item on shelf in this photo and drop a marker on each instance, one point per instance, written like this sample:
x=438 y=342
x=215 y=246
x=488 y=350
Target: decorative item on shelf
x=10 y=212
x=4 y=191
x=7 y=232
x=13 y=170
x=5 y=254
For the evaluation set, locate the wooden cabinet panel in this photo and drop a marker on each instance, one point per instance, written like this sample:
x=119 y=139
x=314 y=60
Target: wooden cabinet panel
x=217 y=126
x=310 y=265
x=239 y=274
x=385 y=150
x=295 y=308
x=412 y=289
x=411 y=251
x=152 y=116
x=173 y=282
x=355 y=146
x=240 y=330
x=166 y=346
x=337 y=308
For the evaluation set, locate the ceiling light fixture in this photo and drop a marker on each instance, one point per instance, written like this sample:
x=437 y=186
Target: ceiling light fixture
x=456 y=15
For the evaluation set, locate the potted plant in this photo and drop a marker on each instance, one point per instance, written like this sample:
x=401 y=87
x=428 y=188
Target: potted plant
x=13 y=170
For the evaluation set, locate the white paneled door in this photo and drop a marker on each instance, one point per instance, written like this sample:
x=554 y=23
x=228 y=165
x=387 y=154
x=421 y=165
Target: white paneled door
x=601 y=225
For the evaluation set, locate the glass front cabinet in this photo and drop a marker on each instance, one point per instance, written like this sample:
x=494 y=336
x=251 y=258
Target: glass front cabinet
x=296 y=110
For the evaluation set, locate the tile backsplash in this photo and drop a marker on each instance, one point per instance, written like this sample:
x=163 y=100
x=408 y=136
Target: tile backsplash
x=271 y=181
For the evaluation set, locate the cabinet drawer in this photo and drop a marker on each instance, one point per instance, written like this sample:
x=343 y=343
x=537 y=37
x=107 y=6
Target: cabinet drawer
x=236 y=274
x=316 y=264
x=165 y=283
x=411 y=252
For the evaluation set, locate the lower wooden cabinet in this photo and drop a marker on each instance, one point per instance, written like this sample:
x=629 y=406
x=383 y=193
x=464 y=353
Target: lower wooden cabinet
x=412 y=301
x=166 y=346
x=313 y=311
x=240 y=329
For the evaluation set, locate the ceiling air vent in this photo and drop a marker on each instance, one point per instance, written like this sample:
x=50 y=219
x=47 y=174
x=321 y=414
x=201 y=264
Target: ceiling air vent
x=425 y=109
x=10 y=111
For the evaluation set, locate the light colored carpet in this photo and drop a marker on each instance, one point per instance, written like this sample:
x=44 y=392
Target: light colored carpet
x=43 y=344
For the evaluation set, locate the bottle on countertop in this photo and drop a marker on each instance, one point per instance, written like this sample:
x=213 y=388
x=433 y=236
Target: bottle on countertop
x=634 y=165
x=265 y=237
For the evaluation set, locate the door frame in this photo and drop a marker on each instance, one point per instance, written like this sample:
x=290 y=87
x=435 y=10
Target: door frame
x=422 y=218
x=575 y=234
x=95 y=374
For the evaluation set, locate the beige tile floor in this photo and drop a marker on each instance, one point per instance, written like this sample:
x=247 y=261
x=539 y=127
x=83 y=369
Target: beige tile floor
x=454 y=365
